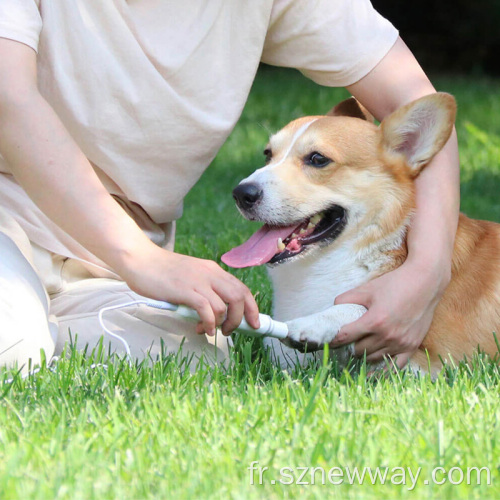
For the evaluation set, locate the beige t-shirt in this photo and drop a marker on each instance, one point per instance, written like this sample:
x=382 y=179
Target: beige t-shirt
x=150 y=89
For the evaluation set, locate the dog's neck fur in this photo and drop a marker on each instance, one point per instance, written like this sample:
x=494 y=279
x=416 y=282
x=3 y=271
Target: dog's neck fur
x=311 y=284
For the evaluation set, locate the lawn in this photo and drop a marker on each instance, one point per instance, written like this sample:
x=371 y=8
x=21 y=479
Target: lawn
x=81 y=430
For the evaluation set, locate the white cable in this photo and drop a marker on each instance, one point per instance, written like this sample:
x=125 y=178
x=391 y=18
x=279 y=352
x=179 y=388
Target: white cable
x=149 y=302
x=268 y=327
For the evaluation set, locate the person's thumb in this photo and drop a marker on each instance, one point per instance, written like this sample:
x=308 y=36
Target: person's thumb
x=352 y=332
x=357 y=295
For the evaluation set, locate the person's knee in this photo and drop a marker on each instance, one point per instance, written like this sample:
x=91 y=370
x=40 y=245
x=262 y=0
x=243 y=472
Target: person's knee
x=25 y=327
x=23 y=345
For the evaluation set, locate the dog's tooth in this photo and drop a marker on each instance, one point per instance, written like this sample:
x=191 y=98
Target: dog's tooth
x=310 y=225
x=302 y=231
x=316 y=218
x=281 y=245
x=294 y=235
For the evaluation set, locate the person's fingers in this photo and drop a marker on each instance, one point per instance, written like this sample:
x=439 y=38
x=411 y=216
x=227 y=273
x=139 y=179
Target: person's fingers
x=358 y=295
x=367 y=344
x=235 y=312
x=353 y=331
x=218 y=306
x=401 y=360
x=377 y=355
x=205 y=311
x=394 y=362
x=219 y=299
x=240 y=302
x=251 y=310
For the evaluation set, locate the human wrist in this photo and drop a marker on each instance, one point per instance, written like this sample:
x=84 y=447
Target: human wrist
x=430 y=267
x=430 y=252
x=129 y=258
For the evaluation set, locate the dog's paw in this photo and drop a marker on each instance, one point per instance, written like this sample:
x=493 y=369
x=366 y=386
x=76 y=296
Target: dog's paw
x=307 y=335
x=311 y=333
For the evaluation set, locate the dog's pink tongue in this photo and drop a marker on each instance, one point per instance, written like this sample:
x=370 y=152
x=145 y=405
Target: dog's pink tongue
x=259 y=249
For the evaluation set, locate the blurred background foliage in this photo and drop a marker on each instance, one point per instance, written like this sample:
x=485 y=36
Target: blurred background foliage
x=451 y=35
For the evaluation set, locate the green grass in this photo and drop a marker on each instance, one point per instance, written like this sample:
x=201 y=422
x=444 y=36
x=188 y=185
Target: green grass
x=76 y=431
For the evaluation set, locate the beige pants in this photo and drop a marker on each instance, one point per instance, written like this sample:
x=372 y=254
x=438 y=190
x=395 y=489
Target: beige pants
x=46 y=300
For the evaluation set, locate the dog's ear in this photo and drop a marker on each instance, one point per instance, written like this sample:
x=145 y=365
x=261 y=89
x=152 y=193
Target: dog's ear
x=351 y=107
x=420 y=129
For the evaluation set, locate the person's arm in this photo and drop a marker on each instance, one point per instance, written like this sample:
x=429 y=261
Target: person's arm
x=57 y=176
x=401 y=303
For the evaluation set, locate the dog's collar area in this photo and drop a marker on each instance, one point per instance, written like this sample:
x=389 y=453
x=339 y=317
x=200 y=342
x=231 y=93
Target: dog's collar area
x=318 y=230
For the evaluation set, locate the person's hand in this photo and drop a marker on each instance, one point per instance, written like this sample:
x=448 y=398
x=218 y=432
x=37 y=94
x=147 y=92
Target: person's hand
x=200 y=284
x=400 y=307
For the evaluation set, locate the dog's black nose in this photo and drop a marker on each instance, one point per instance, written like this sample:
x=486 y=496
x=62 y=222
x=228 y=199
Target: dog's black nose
x=247 y=194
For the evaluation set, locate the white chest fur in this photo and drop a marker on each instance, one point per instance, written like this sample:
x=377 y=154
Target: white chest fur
x=311 y=284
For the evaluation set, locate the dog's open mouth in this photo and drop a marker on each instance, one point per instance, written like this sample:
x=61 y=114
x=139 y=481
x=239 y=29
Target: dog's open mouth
x=277 y=244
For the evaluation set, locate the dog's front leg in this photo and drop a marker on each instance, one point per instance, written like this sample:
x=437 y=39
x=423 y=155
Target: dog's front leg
x=312 y=332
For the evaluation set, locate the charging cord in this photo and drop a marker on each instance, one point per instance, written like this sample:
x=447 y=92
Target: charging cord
x=157 y=304
x=268 y=326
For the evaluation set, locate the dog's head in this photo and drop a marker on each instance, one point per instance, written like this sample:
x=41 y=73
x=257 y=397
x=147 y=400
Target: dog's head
x=339 y=174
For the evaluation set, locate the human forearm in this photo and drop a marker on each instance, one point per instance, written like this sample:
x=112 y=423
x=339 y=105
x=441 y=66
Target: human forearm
x=397 y=80
x=52 y=169
x=434 y=224
x=59 y=179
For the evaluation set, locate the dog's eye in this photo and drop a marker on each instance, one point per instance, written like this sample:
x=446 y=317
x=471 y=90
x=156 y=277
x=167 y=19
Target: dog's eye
x=268 y=154
x=317 y=160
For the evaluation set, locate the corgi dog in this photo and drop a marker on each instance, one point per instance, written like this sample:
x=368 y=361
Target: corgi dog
x=336 y=198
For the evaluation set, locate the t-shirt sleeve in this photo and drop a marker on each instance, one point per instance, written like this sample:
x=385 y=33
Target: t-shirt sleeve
x=333 y=42
x=20 y=20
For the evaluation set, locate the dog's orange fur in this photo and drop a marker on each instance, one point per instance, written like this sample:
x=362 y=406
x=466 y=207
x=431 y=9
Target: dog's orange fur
x=469 y=311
